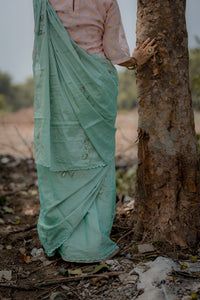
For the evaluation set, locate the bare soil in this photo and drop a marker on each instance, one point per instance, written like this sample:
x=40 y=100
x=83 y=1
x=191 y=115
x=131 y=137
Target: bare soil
x=32 y=279
x=19 y=210
x=39 y=279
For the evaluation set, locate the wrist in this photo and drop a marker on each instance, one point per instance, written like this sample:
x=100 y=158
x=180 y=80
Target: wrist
x=133 y=63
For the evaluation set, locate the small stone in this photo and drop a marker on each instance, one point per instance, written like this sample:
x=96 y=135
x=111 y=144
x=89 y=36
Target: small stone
x=127 y=199
x=126 y=278
x=46 y=262
x=128 y=255
x=15 y=176
x=57 y=296
x=5 y=160
x=29 y=161
x=22 y=250
x=64 y=287
x=126 y=261
x=145 y=248
x=63 y=272
x=7 y=275
x=14 y=164
x=12 y=186
x=1 y=247
x=38 y=254
x=122 y=277
x=8 y=210
x=186 y=298
x=110 y=262
x=1 y=221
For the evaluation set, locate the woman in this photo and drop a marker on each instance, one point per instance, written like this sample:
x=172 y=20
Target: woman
x=75 y=105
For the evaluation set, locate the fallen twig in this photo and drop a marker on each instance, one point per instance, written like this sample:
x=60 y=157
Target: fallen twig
x=127 y=248
x=42 y=267
x=46 y=293
x=18 y=287
x=39 y=285
x=121 y=227
x=123 y=236
x=23 y=230
x=74 y=278
x=13 y=192
x=184 y=274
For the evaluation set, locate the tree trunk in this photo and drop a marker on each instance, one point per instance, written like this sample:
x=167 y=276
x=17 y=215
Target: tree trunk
x=168 y=179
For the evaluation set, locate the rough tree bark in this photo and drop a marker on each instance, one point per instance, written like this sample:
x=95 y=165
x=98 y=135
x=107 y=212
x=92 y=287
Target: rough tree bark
x=168 y=176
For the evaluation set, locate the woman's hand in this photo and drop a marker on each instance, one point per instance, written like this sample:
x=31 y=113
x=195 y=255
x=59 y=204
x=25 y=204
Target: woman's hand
x=144 y=52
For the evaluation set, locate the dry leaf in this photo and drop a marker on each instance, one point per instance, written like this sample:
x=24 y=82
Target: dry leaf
x=8 y=247
x=184 y=266
x=193 y=258
x=26 y=258
x=75 y=272
x=8 y=210
x=171 y=278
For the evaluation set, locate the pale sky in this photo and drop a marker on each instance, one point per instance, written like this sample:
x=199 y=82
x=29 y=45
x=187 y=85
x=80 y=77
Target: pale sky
x=16 y=32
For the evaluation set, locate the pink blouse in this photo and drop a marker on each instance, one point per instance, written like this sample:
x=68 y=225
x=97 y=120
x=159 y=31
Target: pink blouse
x=96 y=26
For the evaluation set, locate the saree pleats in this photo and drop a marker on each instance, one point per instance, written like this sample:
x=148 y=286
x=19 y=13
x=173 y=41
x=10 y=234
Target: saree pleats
x=75 y=106
x=77 y=210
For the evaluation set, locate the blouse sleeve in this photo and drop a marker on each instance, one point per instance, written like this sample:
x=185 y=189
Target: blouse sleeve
x=115 y=44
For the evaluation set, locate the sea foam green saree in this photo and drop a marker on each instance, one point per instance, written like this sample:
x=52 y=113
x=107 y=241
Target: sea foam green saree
x=75 y=107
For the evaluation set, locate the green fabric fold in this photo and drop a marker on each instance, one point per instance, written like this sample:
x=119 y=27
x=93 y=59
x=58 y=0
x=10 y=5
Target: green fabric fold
x=75 y=92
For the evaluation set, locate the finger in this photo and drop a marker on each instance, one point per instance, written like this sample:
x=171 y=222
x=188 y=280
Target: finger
x=146 y=43
x=150 y=43
x=153 y=54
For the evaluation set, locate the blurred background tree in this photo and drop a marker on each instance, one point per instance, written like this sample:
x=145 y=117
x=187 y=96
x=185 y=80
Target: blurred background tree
x=127 y=98
x=195 y=74
x=16 y=96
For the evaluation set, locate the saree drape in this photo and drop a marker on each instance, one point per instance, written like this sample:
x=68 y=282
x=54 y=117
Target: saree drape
x=75 y=107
